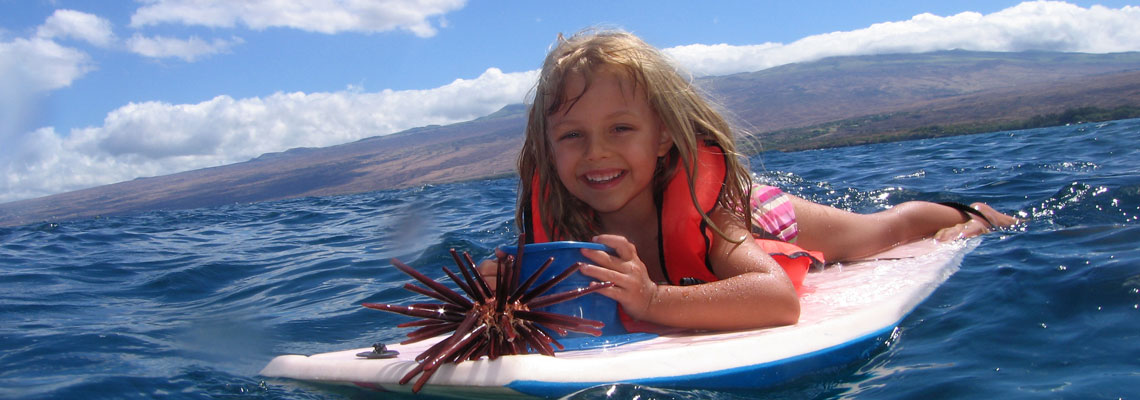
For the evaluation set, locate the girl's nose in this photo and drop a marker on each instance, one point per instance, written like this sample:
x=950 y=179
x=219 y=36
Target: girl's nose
x=597 y=148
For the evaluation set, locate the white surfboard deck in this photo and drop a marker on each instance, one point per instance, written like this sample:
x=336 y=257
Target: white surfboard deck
x=847 y=313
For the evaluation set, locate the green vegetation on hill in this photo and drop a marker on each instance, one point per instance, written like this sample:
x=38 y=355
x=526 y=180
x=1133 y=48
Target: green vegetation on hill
x=1083 y=114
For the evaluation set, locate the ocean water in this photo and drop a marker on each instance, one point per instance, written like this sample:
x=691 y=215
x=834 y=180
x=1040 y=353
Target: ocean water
x=193 y=303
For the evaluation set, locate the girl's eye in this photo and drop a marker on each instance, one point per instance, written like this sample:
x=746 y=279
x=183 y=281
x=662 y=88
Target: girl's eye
x=623 y=128
x=570 y=135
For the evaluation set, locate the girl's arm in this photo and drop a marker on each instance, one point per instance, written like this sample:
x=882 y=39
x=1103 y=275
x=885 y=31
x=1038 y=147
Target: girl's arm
x=752 y=292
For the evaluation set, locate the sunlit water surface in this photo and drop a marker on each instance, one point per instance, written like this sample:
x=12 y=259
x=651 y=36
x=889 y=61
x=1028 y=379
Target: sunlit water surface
x=191 y=304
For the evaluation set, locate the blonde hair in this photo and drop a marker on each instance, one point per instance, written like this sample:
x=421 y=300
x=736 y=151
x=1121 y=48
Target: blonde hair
x=684 y=113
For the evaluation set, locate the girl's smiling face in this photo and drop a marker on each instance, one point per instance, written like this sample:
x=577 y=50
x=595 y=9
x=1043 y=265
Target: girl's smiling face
x=606 y=142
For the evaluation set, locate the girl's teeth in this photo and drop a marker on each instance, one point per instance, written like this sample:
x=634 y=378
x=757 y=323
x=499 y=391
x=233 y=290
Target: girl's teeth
x=602 y=178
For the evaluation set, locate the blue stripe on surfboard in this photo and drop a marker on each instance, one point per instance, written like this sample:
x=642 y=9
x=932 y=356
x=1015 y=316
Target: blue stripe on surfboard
x=757 y=376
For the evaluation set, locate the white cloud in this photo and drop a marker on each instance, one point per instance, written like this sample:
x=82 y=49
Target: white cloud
x=324 y=16
x=32 y=66
x=40 y=65
x=154 y=138
x=77 y=25
x=1038 y=25
x=187 y=49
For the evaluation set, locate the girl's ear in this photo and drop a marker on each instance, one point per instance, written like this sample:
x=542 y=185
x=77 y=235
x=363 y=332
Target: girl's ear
x=665 y=143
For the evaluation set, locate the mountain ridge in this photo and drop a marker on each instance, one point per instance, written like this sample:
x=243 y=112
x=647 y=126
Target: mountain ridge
x=831 y=102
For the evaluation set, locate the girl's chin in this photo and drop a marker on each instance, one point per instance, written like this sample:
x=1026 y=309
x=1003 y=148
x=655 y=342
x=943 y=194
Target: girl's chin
x=602 y=206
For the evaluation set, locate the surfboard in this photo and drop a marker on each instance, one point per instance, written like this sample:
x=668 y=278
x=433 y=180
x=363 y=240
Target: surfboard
x=848 y=313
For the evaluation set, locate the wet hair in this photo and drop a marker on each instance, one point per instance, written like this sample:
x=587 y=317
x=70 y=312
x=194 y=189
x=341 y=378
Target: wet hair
x=685 y=114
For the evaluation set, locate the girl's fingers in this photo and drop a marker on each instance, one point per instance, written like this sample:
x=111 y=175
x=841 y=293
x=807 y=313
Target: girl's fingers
x=601 y=258
x=624 y=248
x=489 y=269
x=624 y=261
x=633 y=291
x=601 y=274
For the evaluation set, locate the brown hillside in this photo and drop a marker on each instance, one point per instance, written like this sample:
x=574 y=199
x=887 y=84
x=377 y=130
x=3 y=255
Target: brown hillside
x=839 y=101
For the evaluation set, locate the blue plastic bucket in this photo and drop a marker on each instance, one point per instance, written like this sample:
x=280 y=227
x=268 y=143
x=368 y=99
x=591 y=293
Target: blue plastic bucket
x=591 y=306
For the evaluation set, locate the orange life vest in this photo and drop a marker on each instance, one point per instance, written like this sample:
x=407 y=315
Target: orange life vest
x=684 y=237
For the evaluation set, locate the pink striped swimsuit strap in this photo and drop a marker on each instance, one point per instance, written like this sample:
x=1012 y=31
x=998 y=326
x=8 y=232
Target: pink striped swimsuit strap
x=773 y=212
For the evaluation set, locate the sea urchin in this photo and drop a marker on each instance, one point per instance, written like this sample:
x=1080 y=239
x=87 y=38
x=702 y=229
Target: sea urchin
x=488 y=322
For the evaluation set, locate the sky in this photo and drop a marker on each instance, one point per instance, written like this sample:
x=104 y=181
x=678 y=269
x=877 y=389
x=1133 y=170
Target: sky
x=98 y=92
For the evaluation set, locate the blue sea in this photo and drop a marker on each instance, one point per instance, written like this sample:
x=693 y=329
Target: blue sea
x=193 y=303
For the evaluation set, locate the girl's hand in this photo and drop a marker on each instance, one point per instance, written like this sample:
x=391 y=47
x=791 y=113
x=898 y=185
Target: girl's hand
x=632 y=286
x=489 y=268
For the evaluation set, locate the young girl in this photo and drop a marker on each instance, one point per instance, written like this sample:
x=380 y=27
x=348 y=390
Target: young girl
x=622 y=150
